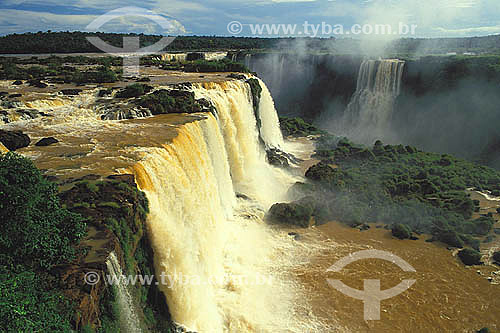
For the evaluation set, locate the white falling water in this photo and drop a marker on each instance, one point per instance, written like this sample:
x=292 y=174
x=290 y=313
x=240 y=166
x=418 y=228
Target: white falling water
x=270 y=125
x=250 y=173
x=129 y=321
x=223 y=266
x=369 y=112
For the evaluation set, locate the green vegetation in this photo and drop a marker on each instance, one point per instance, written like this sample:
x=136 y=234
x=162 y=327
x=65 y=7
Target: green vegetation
x=401 y=231
x=224 y=65
x=36 y=231
x=37 y=235
x=120 y=207
x=170 y=101
x=295 y=213
x=76 y=42
x=134 y=90
x=401 y=186
x=55 y=69
x=297 y=127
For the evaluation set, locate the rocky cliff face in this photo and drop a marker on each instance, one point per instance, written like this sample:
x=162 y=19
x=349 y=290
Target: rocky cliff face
x=116 y=211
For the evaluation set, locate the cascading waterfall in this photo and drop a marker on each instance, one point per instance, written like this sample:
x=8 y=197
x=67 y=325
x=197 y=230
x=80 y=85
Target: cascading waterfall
x=210 y=246
x=368 y=114
x=270 y=127
x=128 y=319
x=250 y=173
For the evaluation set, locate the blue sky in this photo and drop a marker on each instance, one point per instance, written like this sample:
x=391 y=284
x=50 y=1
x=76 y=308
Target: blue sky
x=434 y=18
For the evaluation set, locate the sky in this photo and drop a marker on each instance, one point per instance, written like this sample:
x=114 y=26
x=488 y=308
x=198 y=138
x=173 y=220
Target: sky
x=432 y=18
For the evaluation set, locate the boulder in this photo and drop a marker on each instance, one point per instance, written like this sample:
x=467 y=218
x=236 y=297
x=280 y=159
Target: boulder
x=17 y=82
x=27 y=114
x=321 y=172
x=496 y=257
x=295 y=214
x=37 y=84
x=280 y=158
x=46 y=142
x=470 y=257
x=13 y=140
x=121 y=114
x=71 y=92
x=401 y=231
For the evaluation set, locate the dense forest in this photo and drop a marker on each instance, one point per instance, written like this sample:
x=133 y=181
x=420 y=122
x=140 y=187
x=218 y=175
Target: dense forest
x=401 y=186
x=76 y=42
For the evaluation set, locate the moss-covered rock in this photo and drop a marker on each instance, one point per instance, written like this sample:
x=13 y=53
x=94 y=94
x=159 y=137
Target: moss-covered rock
x=401 y=231
x=295 y=214
x=470 y=257
x=321 y=172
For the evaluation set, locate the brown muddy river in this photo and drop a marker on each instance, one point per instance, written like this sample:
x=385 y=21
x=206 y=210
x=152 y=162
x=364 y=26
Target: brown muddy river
x=446 y=297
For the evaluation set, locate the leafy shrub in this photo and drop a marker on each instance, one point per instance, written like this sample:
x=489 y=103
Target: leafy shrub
x=36 y=230
x=29 y=304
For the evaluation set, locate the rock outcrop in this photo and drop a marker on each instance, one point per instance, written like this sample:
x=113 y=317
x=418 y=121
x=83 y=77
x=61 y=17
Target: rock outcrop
x=46 y=142
x=14 y=140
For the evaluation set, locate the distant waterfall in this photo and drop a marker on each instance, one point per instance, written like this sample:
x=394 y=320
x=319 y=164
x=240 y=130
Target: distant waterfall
x=129 y=321
x=200 y=231
x=369 y=112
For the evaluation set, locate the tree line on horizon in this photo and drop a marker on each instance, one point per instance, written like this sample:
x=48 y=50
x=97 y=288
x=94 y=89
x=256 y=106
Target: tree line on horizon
x=76 y=42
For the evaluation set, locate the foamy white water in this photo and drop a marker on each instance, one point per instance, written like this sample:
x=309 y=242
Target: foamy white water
x=199 y=229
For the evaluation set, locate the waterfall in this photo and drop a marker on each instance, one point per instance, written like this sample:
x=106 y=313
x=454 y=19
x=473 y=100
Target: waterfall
x=129 y=321
x=270 y=124
x=369 y=112
x=250 y=173
x=207 y=241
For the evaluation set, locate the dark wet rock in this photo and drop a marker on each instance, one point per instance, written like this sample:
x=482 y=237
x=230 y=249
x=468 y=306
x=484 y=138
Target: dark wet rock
x=280 y=158
x=237 y=76
x=15 y=95
x=401 y=231
x=195 y=56
x=104 y=92
x=3 y=93
x=46 y=142
x=37 y=84
x=182 y=85
x=496 y=257
x=364 y=227
x=126 y=113
x=71 y=92
x=484 y=330
x=17 y=82
x=27 y=114
x=294 y=213
x=144 y=79
x=13 y=140
x=470 y=257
